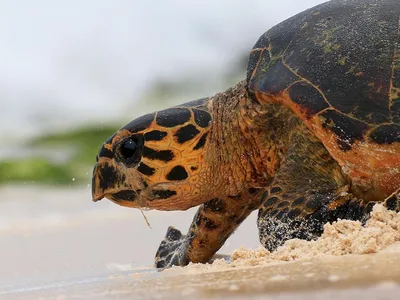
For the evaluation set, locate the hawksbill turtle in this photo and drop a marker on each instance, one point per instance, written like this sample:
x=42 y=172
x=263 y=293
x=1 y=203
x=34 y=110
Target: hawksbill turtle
x=311 y=135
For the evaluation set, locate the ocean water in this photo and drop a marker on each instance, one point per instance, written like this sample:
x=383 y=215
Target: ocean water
x=67 y=63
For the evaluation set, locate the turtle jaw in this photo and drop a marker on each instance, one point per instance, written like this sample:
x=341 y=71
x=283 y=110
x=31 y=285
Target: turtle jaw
x=108 y=182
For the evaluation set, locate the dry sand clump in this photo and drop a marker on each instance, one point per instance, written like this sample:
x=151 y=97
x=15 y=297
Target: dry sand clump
x=343 y=237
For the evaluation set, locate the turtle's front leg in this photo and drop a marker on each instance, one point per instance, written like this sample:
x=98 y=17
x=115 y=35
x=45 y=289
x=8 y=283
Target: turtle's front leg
x=213 y=223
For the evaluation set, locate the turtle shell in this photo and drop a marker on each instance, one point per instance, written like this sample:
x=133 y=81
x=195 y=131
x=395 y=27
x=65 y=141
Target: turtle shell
x=337 y=66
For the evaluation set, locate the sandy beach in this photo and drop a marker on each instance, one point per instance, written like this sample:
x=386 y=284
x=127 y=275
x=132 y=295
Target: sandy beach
x=57 y=244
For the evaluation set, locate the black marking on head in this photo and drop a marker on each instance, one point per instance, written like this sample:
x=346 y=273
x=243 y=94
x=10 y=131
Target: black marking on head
x=155 y=135
x=194 y=168
x=346 y=129
x=309 y=98
x=163 y=194
x=209 y=224
x=125 y=195
x=391 y=203
x=177 y=173
x=163 y=155
x=196 y=103
x=276 y=189
x=215 y=205
x=186 y=133
x=109 y=177
x=202 y=141
x=275 y=79
x=145 y=169
x=109 y=140
x=140 y=123
x=202 y=118
x=386 y=134
x=104 y=152
x=173 y=117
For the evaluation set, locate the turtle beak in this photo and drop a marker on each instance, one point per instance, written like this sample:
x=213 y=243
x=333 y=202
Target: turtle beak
x=97 y=189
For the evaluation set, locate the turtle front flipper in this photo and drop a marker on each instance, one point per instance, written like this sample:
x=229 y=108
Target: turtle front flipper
x=213 y=223
x=308 y=191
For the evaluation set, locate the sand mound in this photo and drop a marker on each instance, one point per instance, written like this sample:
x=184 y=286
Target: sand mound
x=343 y=237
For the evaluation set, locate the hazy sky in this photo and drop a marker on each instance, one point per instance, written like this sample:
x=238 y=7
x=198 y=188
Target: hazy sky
x=83 y=60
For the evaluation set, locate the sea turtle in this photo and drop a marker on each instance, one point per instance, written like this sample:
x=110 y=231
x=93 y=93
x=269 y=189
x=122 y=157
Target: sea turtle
x=312 y=135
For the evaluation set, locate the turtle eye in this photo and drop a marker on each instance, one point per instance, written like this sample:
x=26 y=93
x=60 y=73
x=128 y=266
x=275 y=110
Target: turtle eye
x=129 y=150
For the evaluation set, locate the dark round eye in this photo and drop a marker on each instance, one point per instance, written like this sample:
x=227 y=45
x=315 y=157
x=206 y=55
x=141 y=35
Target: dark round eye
x=128 y=148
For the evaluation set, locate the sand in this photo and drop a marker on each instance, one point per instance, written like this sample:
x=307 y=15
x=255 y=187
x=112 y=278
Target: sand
x=85 y=250
x=381 y=233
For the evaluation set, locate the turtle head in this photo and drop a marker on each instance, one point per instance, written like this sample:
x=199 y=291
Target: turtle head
x=155 y=161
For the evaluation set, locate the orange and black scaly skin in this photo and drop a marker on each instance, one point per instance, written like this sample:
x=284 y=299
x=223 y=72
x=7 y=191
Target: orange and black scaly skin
x=313 y=135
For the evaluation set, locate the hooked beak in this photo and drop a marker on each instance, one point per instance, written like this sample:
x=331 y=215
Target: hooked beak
x=108 y=183
x=97 y=191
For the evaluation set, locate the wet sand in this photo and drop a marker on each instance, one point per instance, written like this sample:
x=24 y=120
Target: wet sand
x=57 y=244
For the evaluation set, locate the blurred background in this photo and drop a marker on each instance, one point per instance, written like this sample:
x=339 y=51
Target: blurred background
x=73 y=72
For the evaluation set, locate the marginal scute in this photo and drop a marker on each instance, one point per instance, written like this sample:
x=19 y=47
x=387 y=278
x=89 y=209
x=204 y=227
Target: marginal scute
x=275 y=78
x=253 y=62
x=254 y=75
x=308 y=97
x=346 y=129
x=395 y=110
x=386 y=134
